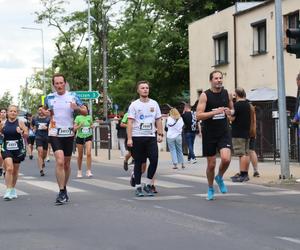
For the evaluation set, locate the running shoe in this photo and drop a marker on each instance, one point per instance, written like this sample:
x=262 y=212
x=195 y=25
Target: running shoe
x=220 y=182
x=154 y=190
x=89 y=173
x=193 y=161
x=42 y=172
x=67 y=196
x=148 y=190
x=30 y=157
x=256 y=174
x=132 y=180
x=61 y=198
x=240 y=178
x=7 y=195
x=125 y=165
x=13 y=193
x=210 y=194
x=139 y=192
x=47 y=159
x=79 y=174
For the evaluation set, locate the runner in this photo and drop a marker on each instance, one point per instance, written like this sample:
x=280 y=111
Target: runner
x=144 y=118
x=84 y=136
x=214 y=106
x=13 y=150
x=62 y=105
x=31 y=135
x=2 y=120
x=41 y=125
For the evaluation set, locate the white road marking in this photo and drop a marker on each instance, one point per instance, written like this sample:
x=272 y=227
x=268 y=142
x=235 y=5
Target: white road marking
x=3 y=189
x=294 y=240
x=28 y=178
x=159 y=183
x=277 y=193
x=219 y=194
x=194 y=217
x=52 y=186
x=105 y=184
x=198 y=179
x=161 y=198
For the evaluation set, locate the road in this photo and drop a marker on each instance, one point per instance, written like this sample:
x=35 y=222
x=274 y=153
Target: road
x=104 y=214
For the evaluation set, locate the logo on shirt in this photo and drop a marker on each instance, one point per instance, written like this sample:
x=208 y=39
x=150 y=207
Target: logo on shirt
x=142 y=117
x=151 y=109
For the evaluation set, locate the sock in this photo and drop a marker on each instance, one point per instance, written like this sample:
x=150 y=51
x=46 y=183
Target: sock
x=255 y=169
x=138 y=186
x=244 y=173
x=61 y=190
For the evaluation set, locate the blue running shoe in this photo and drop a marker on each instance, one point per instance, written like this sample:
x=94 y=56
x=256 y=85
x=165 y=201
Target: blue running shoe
x=210 y=194
x=220 y=182
x=13 y=193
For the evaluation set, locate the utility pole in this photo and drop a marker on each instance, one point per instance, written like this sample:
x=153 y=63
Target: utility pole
x=90 y=56
x=284 y=149
x=104 y=48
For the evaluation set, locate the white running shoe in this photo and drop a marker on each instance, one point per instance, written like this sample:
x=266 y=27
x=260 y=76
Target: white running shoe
x=79 y=174
x=89 y=173
x=13 y=193
x=7 y=195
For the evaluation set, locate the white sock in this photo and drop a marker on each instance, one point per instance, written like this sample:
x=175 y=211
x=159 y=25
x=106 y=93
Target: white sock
x=148 y=181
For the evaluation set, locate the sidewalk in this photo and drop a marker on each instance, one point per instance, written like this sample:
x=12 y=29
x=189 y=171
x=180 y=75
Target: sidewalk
x=269 y=171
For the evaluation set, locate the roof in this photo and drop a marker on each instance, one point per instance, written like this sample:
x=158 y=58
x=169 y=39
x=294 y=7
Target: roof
x=254 y=6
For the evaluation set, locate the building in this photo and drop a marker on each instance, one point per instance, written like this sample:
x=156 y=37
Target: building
x=240 y=41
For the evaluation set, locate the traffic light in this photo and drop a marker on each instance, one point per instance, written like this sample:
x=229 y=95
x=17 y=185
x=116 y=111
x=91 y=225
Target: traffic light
x=294 y=48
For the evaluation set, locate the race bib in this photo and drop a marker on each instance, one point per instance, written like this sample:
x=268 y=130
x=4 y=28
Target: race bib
x=12 y=145
x=52 y=132
x=65 y=132
x=42 y=126
x=146 y=126
x=219 y=116
x=31 y=133
x=85 y=130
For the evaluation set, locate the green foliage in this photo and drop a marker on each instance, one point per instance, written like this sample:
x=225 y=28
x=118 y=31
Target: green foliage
x=6 y=99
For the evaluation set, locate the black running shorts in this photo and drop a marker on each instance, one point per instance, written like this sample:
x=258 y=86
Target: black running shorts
x=42 y=142
x=82 y=141
x=62 y=143
x=212 y=144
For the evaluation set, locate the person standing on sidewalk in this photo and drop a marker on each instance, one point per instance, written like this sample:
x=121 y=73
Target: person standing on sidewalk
x=241 y=121
x=13 y=150
x=190 y=128
x=144 y=120
x=121 y=134
x=215 y=105
x=41 y=125
x=62 y=105
x=174 y=125
x=84 y=136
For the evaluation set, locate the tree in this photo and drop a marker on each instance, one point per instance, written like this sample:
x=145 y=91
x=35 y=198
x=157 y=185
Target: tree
x=6 y=99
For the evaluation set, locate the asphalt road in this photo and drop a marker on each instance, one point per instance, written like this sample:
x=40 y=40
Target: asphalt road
x=104 y=214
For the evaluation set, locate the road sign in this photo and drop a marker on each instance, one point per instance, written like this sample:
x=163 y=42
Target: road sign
x=88 y=94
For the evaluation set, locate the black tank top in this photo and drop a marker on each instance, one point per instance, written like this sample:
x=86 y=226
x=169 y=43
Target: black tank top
x=218 y=124
x=10 y=130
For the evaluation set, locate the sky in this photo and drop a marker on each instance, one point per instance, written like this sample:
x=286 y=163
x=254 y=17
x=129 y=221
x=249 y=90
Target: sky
x=20 y=49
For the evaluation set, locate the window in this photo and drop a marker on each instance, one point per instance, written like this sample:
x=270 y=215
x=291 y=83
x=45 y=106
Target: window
x=259 y=37
x=221 y=48
x=292 y=23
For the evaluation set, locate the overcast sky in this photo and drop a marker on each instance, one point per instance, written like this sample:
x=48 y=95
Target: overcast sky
x=21 y=50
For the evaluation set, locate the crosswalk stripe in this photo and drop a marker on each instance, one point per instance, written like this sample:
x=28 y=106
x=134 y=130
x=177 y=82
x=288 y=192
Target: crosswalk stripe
x=294 y=240
x=161 y=198
x=3 y=189
x=104 y=184
x=197 y=179
x=160 y=183
x=51 y=186
x=218 y=194
x=275 y=193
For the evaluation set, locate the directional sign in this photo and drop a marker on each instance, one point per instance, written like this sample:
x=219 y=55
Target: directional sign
x=88 y=94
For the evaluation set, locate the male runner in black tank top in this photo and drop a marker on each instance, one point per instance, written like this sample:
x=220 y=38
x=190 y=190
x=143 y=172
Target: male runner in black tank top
x=215 y=105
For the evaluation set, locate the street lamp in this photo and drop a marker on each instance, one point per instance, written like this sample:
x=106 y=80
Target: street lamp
x=90 y=55
x=43 y=55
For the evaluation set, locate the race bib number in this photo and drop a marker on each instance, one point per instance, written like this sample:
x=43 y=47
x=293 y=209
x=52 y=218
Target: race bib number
x=52 y=132
x=146 y=126
x=85 y=130
x=219 y=116
x=12 y=145
x=65 y=132
x=42 y=126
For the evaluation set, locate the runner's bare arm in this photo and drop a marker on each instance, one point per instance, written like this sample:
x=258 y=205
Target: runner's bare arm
x=129 y=132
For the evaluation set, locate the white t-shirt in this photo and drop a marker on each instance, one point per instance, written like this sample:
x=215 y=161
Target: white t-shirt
x=174 y=128
x=144 y=115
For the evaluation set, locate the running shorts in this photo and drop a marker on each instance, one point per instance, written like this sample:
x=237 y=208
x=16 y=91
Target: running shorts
x=82 y=141
x=62 y=143
x=212 y=144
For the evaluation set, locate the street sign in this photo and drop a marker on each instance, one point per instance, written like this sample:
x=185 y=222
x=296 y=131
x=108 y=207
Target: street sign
x=88 y=94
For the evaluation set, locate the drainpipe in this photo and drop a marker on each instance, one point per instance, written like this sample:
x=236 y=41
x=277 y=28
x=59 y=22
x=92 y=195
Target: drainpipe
x=235 y=56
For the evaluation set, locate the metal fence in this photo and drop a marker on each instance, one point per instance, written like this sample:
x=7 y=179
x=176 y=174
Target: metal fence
x=102 y=138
